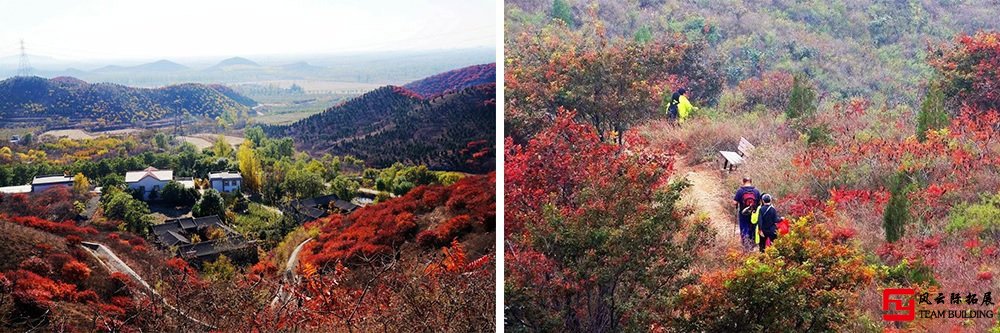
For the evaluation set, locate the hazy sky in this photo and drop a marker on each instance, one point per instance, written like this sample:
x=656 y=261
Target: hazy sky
x=120 y=29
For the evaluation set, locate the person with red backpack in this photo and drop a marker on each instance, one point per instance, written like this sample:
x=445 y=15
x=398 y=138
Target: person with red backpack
x=747 y=200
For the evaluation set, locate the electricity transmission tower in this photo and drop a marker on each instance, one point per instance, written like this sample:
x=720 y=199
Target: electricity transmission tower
x=23 y=67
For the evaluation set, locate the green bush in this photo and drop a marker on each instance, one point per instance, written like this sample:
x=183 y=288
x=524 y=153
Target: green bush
x=984 y=215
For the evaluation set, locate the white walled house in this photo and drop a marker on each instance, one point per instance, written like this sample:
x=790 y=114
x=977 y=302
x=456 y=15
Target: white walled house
x=42 y=183
x=225 y=181
x=148 y=180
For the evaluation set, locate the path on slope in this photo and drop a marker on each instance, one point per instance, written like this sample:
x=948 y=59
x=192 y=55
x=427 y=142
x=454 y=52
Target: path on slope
x=288 y=276
x=707 y=195
x=113 y=263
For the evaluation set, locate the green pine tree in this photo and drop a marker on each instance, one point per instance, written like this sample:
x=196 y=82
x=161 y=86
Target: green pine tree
x=643 y=35
x=932 y=115
x=897 y=211
x=802 y=100
x=562 y=11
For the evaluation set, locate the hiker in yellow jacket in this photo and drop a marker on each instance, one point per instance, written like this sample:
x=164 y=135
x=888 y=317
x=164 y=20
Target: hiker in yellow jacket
x=680 y=108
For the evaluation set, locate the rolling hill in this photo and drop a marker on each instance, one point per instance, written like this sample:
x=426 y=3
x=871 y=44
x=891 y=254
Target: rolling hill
x=453 y=131
x=75 y=100
x=454 y=80
x=236 y=61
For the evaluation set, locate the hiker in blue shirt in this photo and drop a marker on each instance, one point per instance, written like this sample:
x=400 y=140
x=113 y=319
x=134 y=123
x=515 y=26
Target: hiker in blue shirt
x=747 y=199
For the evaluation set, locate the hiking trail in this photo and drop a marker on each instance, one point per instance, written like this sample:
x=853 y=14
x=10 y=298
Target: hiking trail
x=708 y=197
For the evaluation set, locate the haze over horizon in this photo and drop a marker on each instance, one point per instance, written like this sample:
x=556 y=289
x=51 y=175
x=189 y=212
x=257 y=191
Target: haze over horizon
x=185 y=29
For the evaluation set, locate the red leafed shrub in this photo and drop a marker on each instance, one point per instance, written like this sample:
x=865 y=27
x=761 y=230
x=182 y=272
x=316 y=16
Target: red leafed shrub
x=447 y=231
x=73 y=240
x=33 y=301
x=64 y=228
x=842 y=234
x=121 y=283
x=136 y=241
x=140 y=248
x=33 y=292
x=113 y=236
x=55 y=203
x=263 y=269
x=772 y=90
x=108 y=309
x=36 y=265
x=86 y=296
x=75 y=271
x=985 y=276
x=5 y=283
x=178 y=265
x=123 y=302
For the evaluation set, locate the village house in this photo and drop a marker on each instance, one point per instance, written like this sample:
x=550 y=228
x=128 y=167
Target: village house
x=153 y=180
x=42 y=183
x=313 y=208
x=225 y=181
x=192 y=238
x=39 y=184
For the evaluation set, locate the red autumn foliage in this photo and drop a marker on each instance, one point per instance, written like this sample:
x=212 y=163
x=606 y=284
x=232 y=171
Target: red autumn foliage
x=36 y=265
x=60 y=228
x=73 y=240
x=972 y=69
x=86 y=296
x=137 y=241
x=446 y=232
x=34 y=292
x=75 y=271
x=55 y=203
x=383 y=228
x=771 y=90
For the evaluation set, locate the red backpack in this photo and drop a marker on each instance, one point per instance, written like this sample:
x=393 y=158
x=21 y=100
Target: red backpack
x=749 y=200
x=783 y=227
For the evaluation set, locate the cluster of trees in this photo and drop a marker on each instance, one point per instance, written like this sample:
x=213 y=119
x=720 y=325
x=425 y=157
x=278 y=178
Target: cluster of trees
x=577 y=209
x=613 y=83
x=131 y=213
x=35 y=97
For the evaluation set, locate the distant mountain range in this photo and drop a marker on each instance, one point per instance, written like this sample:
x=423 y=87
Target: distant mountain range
x=26 y=98
x=371 y=67
x=157 y=66
x=452 y=131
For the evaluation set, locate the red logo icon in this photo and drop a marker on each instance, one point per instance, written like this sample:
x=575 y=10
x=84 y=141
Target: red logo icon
x=902 y=310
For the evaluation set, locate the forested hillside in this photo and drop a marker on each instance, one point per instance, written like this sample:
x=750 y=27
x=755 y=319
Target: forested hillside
x=107 y=103
x=849 y=47
x=451 y=81
x=453 y=131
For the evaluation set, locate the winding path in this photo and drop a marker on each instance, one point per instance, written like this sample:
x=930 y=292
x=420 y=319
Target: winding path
x=289 y=276
x=113 y=264
x=708 y=196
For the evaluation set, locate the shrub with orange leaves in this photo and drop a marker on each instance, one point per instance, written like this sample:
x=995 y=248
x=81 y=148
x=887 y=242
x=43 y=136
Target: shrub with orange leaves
x=75 y=271
x=806 y=282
